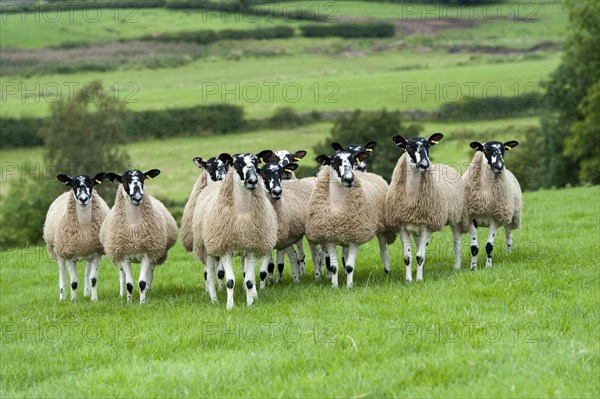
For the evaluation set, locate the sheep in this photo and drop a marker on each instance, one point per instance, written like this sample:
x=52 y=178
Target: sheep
x=290 y=201
x=215 y=169
x=71 y=232
x=384 y=237
x=284 y=158
x=345 y=208
x=235 y=218
x=422 y=199
x=493 y=196
x=138 y=228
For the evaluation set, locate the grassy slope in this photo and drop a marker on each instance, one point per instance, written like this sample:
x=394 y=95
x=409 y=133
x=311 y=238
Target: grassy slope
x=527 y=328
x=103 y=25
x=369 y=82
x=173 y=156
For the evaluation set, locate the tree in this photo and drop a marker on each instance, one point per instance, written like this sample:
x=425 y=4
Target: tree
x=360 y=127
x=81 y=137
x=568 y=146
x=83 y=134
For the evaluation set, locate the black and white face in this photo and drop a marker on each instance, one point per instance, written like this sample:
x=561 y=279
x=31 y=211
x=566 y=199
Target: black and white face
x=343 y=162
x=246 y=167
x=82 y=186
x=272 y=175
x=216 y=167
x=493 y=151
x=417 y=149
x=283 y=158
x=133 y=183
x=355 y=149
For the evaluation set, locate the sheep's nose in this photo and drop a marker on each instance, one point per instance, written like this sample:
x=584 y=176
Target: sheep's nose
x=348 y=178
x=252 y=179
x=276 y=190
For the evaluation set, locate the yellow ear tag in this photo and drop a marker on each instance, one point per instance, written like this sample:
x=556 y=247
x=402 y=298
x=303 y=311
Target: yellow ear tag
x=507 y=147
x=434 y=142
x=288 y=170
x=296 y=159
x=369 y=149
x=98 y=181
x=148 y=177
x=357 y=160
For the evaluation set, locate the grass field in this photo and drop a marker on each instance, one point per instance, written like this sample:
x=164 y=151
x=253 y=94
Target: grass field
x=173 y=156
x=527 y=328
x=51 y=28
x=314 y=82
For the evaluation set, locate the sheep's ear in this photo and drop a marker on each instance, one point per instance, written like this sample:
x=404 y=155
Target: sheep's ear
x=361 y=156
x=290 y=167
x=264 y=155
x=64 y=179
x=201 y=163
x=323 y=160
x=435 y=138
x=400 y=141
x=476 y=145
x=298 y=155
x=151 y=174
x=99 y=178
x=510 y=144
x=113 y=177
x=336 y=146
x=226 y=158
x=370 y=146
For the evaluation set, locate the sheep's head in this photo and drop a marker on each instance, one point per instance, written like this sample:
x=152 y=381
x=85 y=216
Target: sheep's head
x=272 y=175
x=494 y=153
x=246 y=167
x=284 y=158
x=343 y=162
x=355 y=149
x=418 y=149
x=216 y=166
x=133 y=183
x=82 y=186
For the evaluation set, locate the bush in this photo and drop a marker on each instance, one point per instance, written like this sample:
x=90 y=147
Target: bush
x=348 y=30
x=202 y=119
x=22 y=132
x=199 y=37
x=275 y=32
x=23 y=208
x=361 y=127
x=487 y=108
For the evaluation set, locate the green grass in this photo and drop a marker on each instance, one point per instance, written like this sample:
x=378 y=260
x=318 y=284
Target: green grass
x=173 y=156
x=527 y=328
x=51 y=28
x=312 y=82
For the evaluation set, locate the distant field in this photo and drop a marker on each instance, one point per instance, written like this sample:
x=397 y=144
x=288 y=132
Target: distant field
x=173 y=156
x=321 y=82
x=527 y=328
x=34 y=30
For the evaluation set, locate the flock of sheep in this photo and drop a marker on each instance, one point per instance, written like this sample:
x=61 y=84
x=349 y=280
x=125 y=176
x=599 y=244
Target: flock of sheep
x=239 y=208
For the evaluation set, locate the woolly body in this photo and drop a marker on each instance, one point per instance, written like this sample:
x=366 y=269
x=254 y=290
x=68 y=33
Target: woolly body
x=187 y=220
x=220 y=227
x=152 y=233
x=65 y=237
x=496 y=197
x=435 y=201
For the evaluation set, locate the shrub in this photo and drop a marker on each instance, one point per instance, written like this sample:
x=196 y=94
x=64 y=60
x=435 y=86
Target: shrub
x=22 y=132
x=487 y=108
x=199 y=37
x=275 y=32
x=348 y=30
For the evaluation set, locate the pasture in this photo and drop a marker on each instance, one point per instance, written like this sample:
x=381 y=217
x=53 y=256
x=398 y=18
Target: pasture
x=527 y=328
